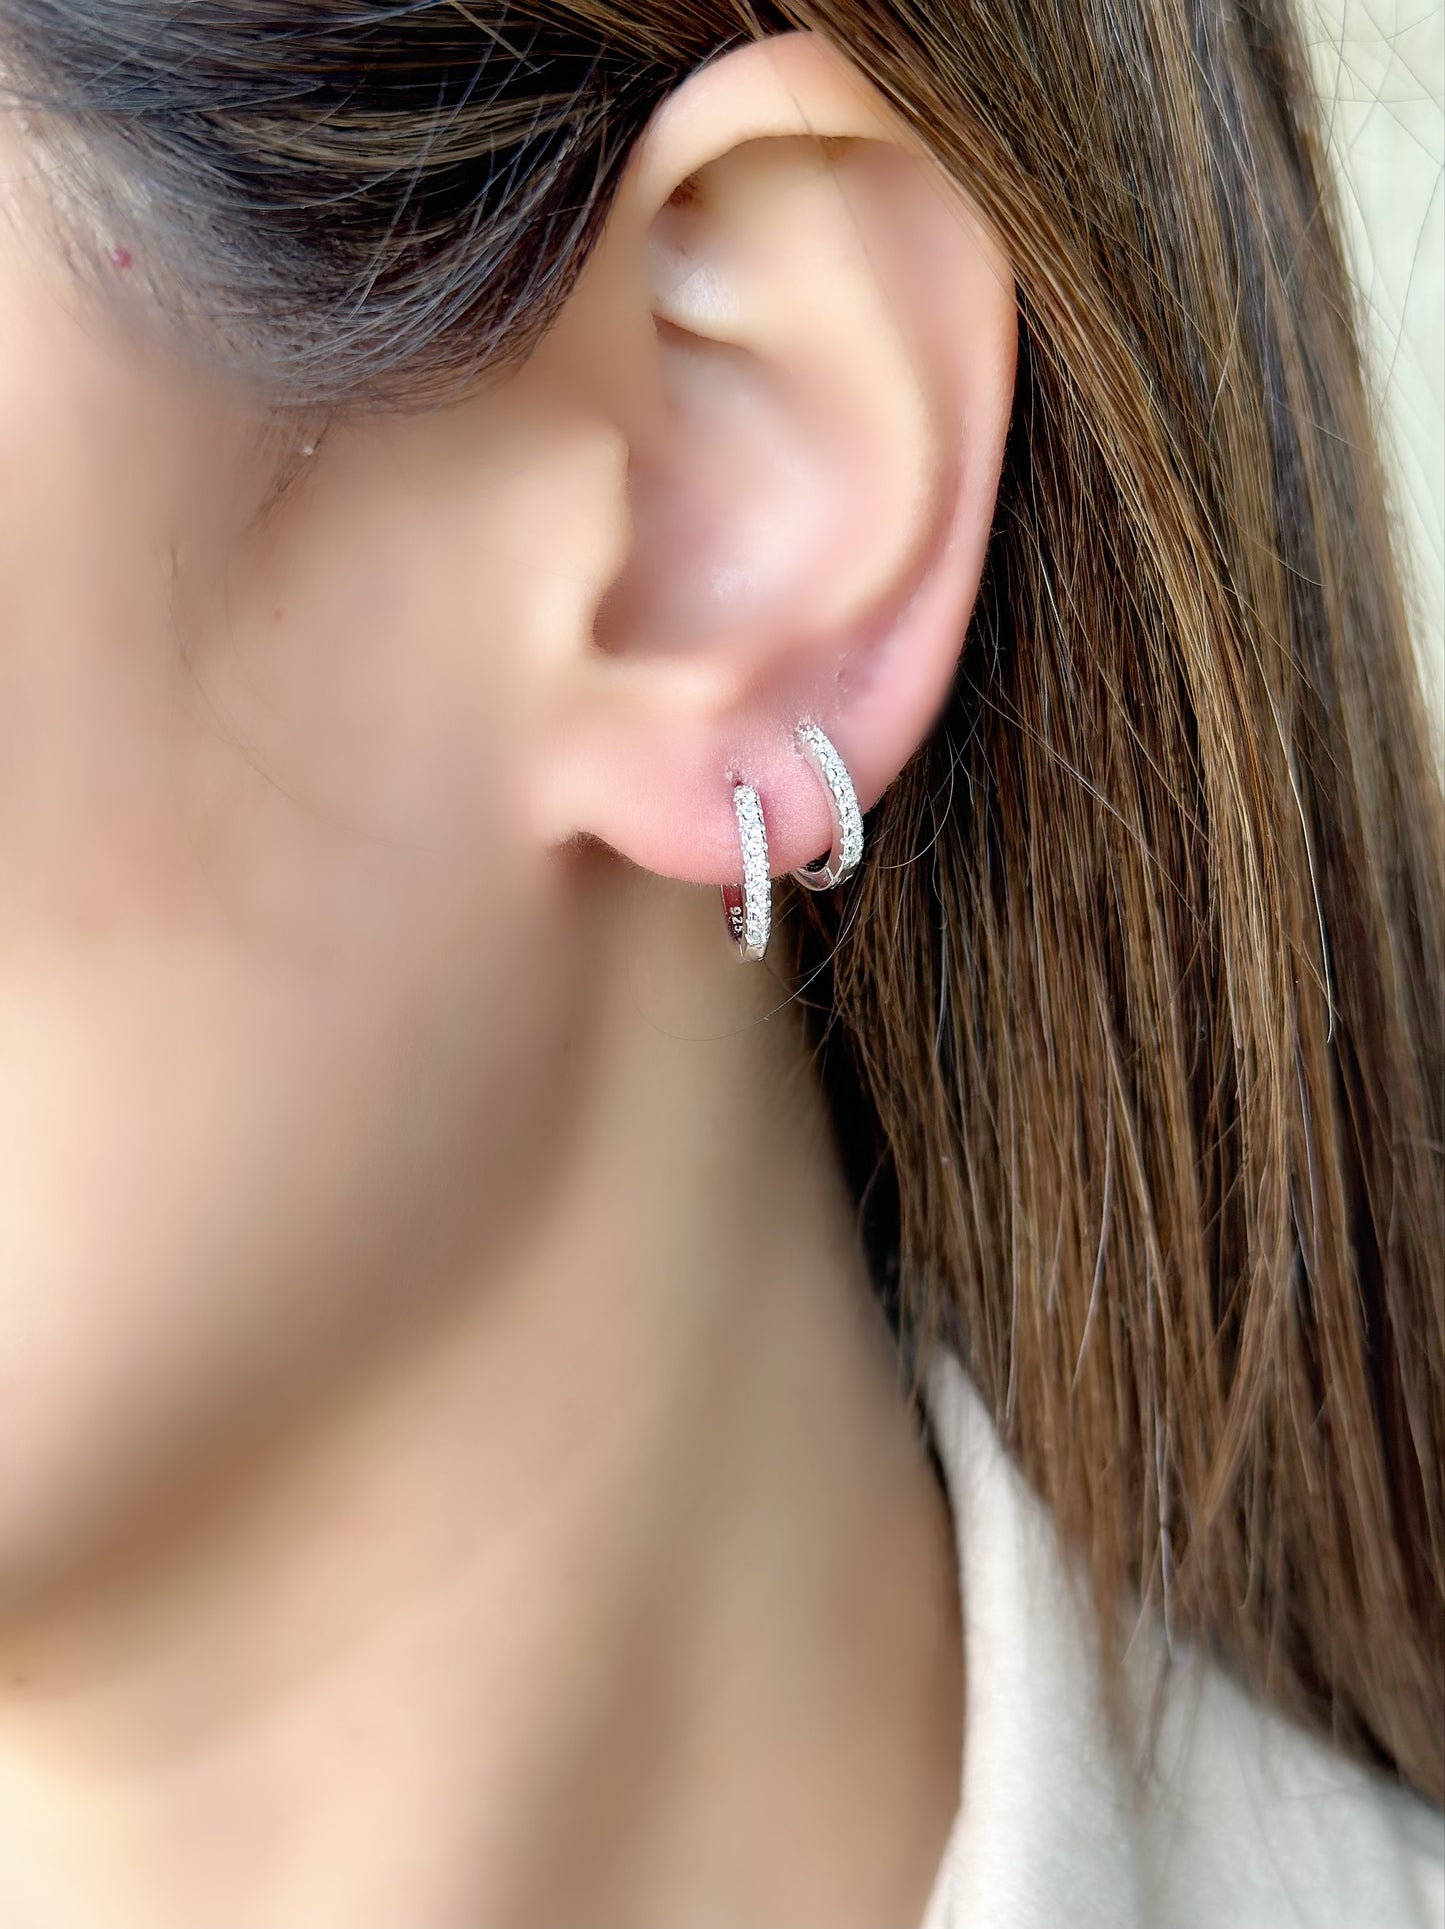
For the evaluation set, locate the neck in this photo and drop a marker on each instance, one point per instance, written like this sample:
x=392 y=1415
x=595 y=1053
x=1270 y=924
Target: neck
x=622 y=1594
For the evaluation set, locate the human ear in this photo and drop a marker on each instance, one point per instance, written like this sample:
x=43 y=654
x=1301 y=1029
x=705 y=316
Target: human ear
x=805 y=336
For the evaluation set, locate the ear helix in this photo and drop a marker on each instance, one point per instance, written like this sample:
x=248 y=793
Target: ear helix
x=748 y=906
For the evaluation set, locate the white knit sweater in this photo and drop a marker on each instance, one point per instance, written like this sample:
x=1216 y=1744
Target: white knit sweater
x=1241 y=1821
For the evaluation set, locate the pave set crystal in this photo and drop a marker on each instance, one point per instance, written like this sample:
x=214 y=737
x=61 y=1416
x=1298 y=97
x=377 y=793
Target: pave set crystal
x=749 y=905
x=847 y=850
x=750 y=910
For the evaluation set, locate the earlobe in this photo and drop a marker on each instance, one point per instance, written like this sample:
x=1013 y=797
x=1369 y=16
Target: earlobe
x=816 y=393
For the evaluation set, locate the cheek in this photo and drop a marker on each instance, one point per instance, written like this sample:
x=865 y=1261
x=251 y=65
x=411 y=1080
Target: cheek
x=274 y=1045
x=280 y=979
x=226 y=1181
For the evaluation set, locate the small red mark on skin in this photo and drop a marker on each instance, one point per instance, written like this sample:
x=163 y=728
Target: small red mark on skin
x=276 y=616
x=121 y=258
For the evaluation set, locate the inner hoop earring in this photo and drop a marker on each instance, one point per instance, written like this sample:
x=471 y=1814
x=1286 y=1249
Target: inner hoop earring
x=748 y=906
x=847 y=852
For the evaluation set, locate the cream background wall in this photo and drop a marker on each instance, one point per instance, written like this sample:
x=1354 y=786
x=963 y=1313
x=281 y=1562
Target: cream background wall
x=1380 y=67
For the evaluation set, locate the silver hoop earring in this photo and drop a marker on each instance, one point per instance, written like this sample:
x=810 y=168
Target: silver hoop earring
x=847 y=851
x=749 y=906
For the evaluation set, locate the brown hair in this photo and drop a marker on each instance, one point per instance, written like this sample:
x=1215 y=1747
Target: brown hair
x=1134 y=1032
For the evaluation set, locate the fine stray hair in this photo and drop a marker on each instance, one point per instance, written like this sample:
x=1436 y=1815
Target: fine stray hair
x=1133 y=1032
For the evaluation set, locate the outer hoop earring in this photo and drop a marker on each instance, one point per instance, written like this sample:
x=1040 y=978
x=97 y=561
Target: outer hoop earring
x=847 y=851
x=748 y=906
